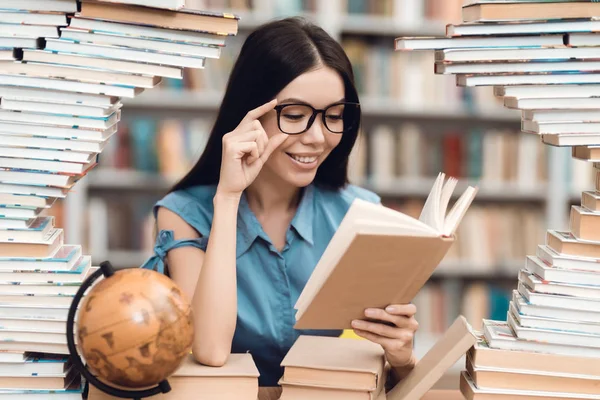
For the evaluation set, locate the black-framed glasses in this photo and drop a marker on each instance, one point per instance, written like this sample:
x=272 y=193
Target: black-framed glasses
x=297 y=118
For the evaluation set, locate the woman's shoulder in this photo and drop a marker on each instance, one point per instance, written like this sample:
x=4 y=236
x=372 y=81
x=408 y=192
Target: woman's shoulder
x=200 y=195
x=194 y=205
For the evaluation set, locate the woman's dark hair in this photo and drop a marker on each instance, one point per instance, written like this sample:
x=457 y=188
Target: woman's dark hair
x=272 y=56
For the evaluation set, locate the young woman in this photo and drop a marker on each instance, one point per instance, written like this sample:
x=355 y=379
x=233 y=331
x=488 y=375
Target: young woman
x=243 y=230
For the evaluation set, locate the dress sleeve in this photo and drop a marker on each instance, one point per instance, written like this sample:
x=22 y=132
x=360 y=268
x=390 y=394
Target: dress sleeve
x=192 y=211
x=165 y=241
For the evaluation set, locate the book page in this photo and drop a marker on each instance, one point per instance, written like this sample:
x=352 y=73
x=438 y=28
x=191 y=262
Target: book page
x=447 y=191
x=369 y=227
x=432 y=204
x=458 y=211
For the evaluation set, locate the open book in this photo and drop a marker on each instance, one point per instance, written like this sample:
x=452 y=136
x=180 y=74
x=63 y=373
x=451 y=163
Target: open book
x=379 y=256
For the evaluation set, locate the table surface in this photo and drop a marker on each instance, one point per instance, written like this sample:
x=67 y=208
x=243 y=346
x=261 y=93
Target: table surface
x=273 y=393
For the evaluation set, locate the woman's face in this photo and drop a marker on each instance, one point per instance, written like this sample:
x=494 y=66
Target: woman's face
x=297 y=159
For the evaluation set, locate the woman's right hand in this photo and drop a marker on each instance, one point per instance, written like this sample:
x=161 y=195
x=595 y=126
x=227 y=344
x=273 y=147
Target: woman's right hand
x=246 y=149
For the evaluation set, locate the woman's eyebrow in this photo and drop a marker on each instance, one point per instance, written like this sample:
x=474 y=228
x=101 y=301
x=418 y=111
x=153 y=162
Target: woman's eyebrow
x=293 y=100
x=296 y=100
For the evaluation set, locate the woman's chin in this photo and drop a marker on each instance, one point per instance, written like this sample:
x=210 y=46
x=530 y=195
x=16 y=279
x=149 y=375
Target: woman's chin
x=300 y=179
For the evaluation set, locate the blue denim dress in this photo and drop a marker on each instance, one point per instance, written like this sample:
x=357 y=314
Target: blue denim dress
x=268 y=281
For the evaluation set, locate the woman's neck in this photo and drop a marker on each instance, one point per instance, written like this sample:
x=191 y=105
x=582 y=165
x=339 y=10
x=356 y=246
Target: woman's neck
x=271 y=194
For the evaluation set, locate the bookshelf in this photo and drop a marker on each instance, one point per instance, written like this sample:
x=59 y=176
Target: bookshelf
x=337 y=18
x=363 y=34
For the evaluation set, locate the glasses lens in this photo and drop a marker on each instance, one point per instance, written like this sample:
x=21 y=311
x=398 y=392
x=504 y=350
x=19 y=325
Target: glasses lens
x=294 y=118
x=340 y=118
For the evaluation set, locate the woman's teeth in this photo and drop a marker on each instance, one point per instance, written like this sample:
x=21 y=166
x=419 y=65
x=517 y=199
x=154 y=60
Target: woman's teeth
x=304 y=160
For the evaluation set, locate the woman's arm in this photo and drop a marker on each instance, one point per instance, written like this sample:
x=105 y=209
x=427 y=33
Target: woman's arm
x=208 y=279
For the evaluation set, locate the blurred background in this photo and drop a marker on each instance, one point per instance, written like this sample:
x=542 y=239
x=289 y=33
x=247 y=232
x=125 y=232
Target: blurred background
x=415 y=124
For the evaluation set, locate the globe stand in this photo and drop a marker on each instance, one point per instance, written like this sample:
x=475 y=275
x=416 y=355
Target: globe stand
x=107 y=270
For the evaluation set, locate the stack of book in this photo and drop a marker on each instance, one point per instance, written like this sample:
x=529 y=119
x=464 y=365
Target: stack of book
x=502 y=366
x=540 y=56
x=318 y=367
x=236 y=380
x=64 y=68
x=39 y=274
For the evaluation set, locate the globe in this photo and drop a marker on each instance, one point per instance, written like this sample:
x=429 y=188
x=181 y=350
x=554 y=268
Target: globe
x=134 y=328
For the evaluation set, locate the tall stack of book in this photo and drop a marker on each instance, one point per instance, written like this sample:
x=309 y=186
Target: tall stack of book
x=64 y=68
x=540 y=57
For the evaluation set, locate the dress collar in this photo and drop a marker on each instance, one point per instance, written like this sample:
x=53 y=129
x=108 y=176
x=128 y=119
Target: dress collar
x=249 y=228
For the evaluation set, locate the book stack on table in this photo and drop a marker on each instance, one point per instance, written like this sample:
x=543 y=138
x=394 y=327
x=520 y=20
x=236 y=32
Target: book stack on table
x=64 y=68
x=541 y=58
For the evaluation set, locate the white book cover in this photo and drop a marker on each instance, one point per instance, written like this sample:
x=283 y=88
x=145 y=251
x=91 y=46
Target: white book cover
x=523 y=28
x=63 y=259
x=12 y=150
x=515 y=54
x=550 y=273
x=506 y=68
x=36 y=232
x=53 y=108
x=64 y=6
x=541 y=79
x=565 y=103
x=17 y=140
x=566 y=338
x=33 y=190
x=55 y=167
x=20 y=213
x=553 y=116
x=563 y=289
x=500 y=335
x=568 y=314
x=557 y=301
x=576 y=327
x=166 y=4
x=53 y=131
x=147 y=32
x=156 y=45
x=432 y=43
x=77 y=74
x=548 y=91
x=571 y=139
x=112 y=52
x=33 y=178
x=11 y=200
x=517 y=394
x=101 y=63
x=73 y=275
x=70 y=86
x=56 y=96
x=29 y=18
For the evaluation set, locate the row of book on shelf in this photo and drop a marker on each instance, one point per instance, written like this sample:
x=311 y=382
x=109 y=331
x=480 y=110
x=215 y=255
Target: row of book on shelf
x=384 y=154
x=491 y=157
x=490 y=240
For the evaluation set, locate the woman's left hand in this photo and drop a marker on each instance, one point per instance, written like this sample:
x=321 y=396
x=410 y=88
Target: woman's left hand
x=395 y=332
